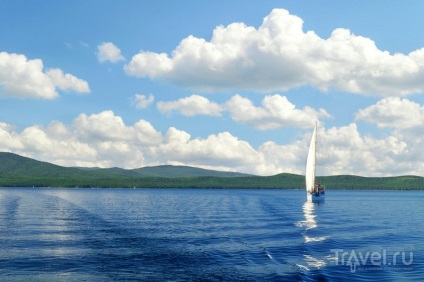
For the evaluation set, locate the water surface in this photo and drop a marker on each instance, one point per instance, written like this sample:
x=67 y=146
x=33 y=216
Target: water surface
x=212 y=235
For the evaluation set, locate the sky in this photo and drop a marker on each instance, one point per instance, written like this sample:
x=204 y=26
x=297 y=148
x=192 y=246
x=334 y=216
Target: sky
x=225 y=85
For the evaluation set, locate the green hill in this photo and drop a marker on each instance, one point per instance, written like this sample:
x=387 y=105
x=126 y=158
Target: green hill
x=12 y=164
x=15 y=165
x=350 y=182
x=183 y=171
x=18 y=171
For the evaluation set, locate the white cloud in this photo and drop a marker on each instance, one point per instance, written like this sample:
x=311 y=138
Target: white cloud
x=105 y=126
x=404 y=118
x=42 y=143
x=145 y=134
x=276 y=112
x=344 y=150
x=107 y=51
x=149 y=64
x=101 y=139
x=23 y=78
x=222 y=149
x=393 y=112
x=105 y=140
x=143 y=101
x=8 y=138
x=67 y=81
x=191 y=106
x=277 y=158
x=279 y=55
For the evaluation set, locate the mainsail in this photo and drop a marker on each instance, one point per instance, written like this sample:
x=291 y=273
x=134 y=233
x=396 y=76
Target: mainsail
x=310 y=163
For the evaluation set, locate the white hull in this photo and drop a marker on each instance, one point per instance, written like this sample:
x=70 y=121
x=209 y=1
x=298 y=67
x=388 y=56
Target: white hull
x=314 y=198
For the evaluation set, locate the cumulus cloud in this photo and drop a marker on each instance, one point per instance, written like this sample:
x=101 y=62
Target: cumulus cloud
x=105 y=126
x=344 y=149
x=67 y=82
x=143 y=101
x=105 y=140
x=191 y=106
x=280 y=55
x=149 y=64
x=403 y=118
x=109 y=52
x=101 y=139
x=23 y=78
x=215 y=150
x=276 y=111
x=393 y=112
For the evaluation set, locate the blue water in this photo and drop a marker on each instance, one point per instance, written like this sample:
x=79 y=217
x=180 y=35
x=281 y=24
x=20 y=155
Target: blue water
x=209 y=235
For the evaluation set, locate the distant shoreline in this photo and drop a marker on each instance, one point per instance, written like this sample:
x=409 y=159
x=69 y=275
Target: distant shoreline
x=203 y=187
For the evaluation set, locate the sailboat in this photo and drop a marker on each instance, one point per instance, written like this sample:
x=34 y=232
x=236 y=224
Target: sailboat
x=315 y=191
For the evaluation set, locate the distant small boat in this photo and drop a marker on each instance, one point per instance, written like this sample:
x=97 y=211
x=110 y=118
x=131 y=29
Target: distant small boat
x=315 y=191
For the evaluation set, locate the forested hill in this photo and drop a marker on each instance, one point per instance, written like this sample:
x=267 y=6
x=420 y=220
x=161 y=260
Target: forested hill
x=19 y=166
x=18 y=171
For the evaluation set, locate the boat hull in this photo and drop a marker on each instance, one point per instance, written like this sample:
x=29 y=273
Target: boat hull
x=314 y=198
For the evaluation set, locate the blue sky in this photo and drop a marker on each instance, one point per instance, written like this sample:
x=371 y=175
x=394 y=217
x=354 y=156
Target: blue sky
x=229 y=85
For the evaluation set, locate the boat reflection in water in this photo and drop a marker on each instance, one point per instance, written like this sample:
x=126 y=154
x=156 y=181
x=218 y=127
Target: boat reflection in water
x=312 y=242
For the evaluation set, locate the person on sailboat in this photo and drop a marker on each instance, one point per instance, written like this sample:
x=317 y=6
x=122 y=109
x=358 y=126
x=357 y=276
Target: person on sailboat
x=320 y=190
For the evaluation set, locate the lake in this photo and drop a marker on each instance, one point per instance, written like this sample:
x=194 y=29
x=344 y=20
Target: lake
x=209 y=235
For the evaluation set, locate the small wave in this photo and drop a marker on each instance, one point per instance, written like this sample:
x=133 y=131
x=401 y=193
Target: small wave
x=315 y=239
x=314 y=262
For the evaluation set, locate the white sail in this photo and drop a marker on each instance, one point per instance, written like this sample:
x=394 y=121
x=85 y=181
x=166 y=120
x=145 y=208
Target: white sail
x=310 y=163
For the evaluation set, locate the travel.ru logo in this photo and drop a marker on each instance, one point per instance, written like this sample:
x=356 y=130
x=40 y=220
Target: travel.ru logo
x=376 y=260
